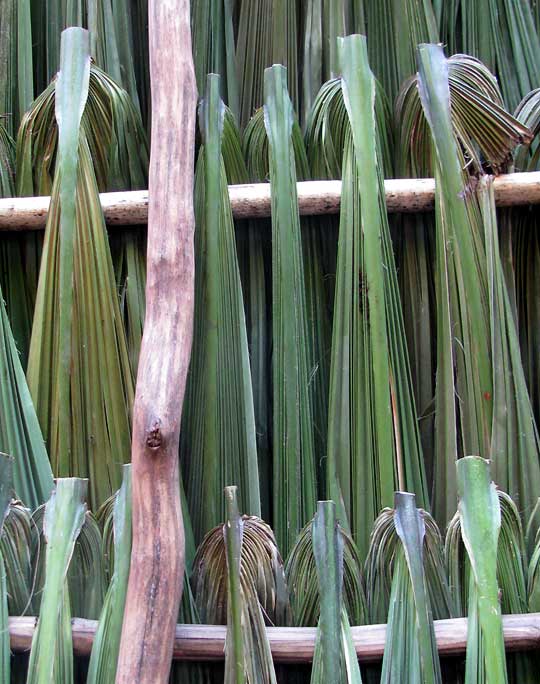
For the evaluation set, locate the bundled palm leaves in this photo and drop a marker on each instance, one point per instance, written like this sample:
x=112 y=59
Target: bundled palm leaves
x=342 y=424
x=477 y=347
x=294 y=456
x=334 y=658
x=501 y=33
x=220 y=446
x=373 y=439
x=78 y=328
x=51 y=656
x=238 y=580
x=6 y=479
x=302 y=568
x=20 y=433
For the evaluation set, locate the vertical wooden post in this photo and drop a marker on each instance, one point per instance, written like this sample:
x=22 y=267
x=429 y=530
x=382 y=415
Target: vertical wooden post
x=157 y=558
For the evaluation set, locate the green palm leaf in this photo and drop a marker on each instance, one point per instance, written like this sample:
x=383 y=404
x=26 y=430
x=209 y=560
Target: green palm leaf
x=410 y=652
x=480 y=517
x=475 y=326
x=214 y=47
x=334 y=659
x=16 y=77
x=380 y=569
x=219 y=445
x=315 y=238
x=20 y=434
x=51 y=657
x=15 y=548
x=511 y=576
x=267 y=34
x=238 y=580
x=301 y=574
x=502 y=34
x=394 y=30
x=294 y=458
x=103 y=660
x=6 y=481
x=78 y=370
x=373 y=440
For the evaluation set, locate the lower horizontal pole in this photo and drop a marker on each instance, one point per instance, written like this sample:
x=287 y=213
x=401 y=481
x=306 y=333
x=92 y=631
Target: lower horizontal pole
x=293 y=644
x=315 y=198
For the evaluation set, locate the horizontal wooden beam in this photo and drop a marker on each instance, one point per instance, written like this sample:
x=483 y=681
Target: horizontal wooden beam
x=295 y=644
x=253 y=201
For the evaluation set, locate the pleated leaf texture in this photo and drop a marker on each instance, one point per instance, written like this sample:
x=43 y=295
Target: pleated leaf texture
x=394 y=30
x=238 y=580
x=51 y=655
x=480 y=517
x=6 y=483
x=104 y=656
x=410 y=653
x=78 y=370
x=15 y=547
x=511 y=577
x=20 y=432
x=334 y=657
x=18 y=273
x=316 y=236
x=302 y=579
x=373 y=438
x=502 y=34
x=478 y=358
x=219 y=445
x=294 y=477
x=267 y=34
x=85 y=577
x=384 y=552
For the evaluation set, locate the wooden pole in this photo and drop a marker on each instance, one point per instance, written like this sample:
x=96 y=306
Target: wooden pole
x=295 y=644
x=157 y=558
x=253 y=200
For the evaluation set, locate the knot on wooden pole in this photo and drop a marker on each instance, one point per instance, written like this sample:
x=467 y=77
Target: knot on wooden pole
x=154 y=435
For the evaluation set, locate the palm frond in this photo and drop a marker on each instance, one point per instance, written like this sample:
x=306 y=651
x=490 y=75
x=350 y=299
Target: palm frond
x=103 y=660
x=219 y=445
x=51 y=656
x=267 y=34
x=238 y=580
x=394 y=30
x=373 y=440
x=334 y=659
x=6 y=481
x=480 y=517
x=470 y=130
x=301 y=574
x=384 y=552
x=294 y=455
x=15 y=548
x=83 y=409
x=214 y=50
x=410 y=652
x=502 y=34
x=315 y=237
x=16 y=62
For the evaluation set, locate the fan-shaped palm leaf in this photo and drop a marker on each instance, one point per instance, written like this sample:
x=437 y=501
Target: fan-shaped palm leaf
x=78 y=370
x=219 y=445
x=103 y=660
x=301 y=573
x=51 y=656
x=373 y=440
x=294 y=456
x=480 y=517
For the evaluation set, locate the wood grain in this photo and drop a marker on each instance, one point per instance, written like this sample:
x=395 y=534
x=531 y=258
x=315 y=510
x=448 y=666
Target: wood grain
x=157 y=558
x=253 y=200
x=296 y=644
